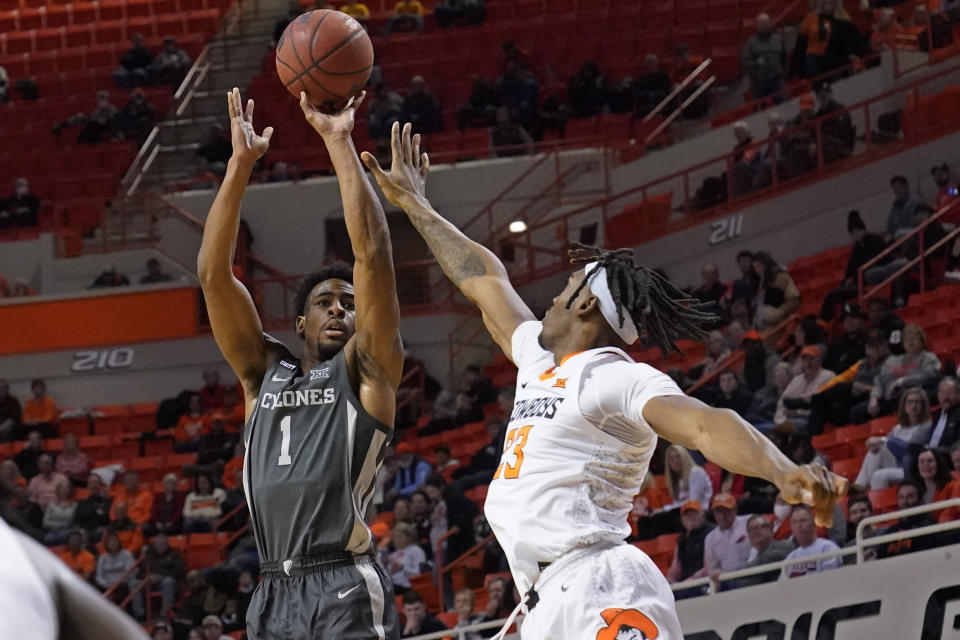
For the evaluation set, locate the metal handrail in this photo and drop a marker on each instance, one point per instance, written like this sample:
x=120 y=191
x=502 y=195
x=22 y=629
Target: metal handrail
x=438 y=555
x=123 y=577
x=676 y=90
x=923 y=508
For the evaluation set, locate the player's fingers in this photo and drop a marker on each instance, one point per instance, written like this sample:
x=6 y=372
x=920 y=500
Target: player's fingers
x=424 y=165
x=267 y=134
x=358 y=100
x=237 y=104
x=371 y=163
x=415 y=153
x=248 y=115
x=230 y=110
x=405 y=144
x=395 y=144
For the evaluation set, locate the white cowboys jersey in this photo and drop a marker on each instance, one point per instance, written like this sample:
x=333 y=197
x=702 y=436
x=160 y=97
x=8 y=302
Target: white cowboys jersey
x=27 y=609
x=576 y=451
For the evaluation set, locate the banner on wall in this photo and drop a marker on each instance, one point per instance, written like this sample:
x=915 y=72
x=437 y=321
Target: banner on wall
x=914 y=596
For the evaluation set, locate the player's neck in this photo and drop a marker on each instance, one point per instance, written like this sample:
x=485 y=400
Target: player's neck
x=576 y=342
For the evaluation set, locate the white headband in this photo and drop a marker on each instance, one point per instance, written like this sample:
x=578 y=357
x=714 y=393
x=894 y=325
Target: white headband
x=598 y=287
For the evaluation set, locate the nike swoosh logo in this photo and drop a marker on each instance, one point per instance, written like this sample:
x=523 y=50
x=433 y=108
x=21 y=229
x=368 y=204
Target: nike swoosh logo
x=343 y=594
x=276 y=379
x=523 y=385
x=564 y=587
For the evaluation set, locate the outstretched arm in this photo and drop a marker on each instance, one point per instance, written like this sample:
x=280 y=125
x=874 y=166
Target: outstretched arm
x=725 y=438
x=377 y=360
x=233 y=316
x=473 y=268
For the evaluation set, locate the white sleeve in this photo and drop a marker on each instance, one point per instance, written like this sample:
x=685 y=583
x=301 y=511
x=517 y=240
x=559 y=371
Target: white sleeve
x=525 y=344
x=614 y=391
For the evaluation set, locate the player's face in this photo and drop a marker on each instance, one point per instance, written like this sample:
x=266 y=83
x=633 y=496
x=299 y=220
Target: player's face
x=558 y=320
x=328 y=317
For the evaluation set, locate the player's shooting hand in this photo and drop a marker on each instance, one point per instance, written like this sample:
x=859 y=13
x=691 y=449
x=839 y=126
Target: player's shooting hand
x=813 y=485
x=332 y=125
x=247 y=145
x=408 y=170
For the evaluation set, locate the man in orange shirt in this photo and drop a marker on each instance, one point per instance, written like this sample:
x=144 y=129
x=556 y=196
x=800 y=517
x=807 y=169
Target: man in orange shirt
x=40 y=412
x=77 y=558
x=137 y=500
x=192 y=426
x=128 y=531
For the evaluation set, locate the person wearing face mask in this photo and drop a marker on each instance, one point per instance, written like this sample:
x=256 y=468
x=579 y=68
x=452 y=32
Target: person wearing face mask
x=21 y=209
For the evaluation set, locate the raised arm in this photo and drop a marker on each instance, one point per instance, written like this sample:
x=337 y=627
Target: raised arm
x=377 y=360
x=473 y=268
x=726 y=439
x=233 y=316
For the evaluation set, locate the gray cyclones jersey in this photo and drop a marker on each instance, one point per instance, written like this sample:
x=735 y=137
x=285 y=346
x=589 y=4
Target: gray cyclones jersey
x=312 y=458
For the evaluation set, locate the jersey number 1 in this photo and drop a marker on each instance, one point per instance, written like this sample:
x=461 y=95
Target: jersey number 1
x=284 y=443
x=516 y=438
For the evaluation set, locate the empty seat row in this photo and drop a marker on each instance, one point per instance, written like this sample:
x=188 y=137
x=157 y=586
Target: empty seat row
x=83 y=13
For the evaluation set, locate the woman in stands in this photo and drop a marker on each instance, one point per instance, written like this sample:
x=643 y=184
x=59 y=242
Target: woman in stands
x=464 y=602
x=931 y=469
x=777 y=296
x=916 y=367
x=58 y=515
x=881 y=468
x=202 y=507
x=112 y=564
x=686 y=480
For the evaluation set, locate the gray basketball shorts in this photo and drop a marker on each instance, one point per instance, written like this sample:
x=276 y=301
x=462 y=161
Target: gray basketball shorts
x=327 y=596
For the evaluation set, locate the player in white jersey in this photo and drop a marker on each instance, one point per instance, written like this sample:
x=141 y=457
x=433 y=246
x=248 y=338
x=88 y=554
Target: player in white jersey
x=41 y=599
x=585 y=423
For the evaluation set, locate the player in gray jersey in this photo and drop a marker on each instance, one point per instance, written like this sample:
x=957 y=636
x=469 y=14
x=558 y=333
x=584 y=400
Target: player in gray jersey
x=316 y=424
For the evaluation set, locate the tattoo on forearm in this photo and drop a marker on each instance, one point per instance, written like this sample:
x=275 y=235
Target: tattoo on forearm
x=458 y=256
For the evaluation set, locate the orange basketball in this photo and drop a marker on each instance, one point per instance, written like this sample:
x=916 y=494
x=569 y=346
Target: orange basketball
x=327 y=54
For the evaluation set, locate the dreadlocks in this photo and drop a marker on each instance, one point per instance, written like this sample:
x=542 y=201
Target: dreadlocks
x=657 y=308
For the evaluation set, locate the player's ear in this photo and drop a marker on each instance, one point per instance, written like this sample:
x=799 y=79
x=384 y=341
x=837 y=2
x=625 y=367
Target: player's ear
x=299 y=326
x=588 y=305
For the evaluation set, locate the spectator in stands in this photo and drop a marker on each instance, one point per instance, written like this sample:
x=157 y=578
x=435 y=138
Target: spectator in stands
x=684 y=64
x=407 y=16
x=211 y=394
x=745 y=287
x=464 y=603
x=759 y=364
x=412 y=471
x=858 y=508
x=688 y=557
x=161 y=631
x=686 y=480
x=171 y=64
x=827 y=41
x=866 y=246
x=484 y=462
x=230 y=617
x=764 y=59
x=214 y=152
x=131 y=537
x=155 y=273
x=137 y=500
x=710 y=289
x=916 y=367
x=386 y=107
x=881 y=465
x=777 y=296
x=102 y=123
x=40 y=412
x=110 y=277
x=586 y=91
x=418 y=620
x=481 y=106
x=903 y=211
x=931 y=470
x=945 y=431
x=58 y=514
x=834 y=401
x=356 y=10
x=166 y=567
x=808 y=544
x=500 y=603
x=794 y=404
x=461 y=11
x=78 y=559
x=93 y=512
x=4 y=84
x=22 y=208
x=42 y=488
x=420 y=106
x=192 y=426
x=407 y=559
x=730 y=395
x=837 y=133
x=136 y=117
x=189 y=610
x=451 y=510
x=651 y=87
x=846 y=350
x=946 y=188
x=166 y=515
x=554 y=111
x=9 y=412
x=27 y=459
x=72 y=462
x=443 y=463
x=213 y=628
x=112 y=564
x=134 y=65
x=232 y=409
x=727 y=547
x=509 y=138
x=764 y=549
x=216 y=447
x=909 y=494
x=202 y=506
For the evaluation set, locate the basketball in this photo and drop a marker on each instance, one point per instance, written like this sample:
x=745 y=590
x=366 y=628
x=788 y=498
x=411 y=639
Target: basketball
x=327 y=54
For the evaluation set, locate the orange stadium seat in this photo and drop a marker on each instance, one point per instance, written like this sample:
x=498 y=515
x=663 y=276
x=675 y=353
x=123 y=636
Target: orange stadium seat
x=848 y=468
